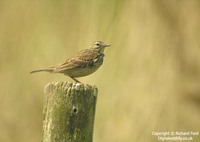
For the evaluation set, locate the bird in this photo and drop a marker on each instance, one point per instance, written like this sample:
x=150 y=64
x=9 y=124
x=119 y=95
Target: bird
x=83 y=63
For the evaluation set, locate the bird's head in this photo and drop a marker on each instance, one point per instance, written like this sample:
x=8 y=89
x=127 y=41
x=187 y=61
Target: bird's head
x=99 y=45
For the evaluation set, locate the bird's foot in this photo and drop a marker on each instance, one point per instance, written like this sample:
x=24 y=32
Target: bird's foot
x=75 y=80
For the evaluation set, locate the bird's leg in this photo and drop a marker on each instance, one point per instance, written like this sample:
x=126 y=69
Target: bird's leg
x=75 y=80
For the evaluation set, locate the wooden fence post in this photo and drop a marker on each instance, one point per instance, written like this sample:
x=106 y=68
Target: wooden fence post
x=68 y=112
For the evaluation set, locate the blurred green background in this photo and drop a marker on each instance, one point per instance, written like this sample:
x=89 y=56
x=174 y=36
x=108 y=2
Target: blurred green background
x=150 y=79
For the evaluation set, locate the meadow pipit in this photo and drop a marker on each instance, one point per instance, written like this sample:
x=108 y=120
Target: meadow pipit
x=83 y=63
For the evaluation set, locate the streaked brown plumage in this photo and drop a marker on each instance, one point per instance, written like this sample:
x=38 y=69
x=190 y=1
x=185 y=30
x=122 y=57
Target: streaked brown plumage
x=84 y=63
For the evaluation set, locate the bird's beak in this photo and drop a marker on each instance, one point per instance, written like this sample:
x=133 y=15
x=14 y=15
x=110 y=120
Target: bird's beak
x=107 y=45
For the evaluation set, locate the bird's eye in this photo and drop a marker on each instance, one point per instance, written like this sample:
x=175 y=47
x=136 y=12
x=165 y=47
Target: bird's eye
x=97 y=44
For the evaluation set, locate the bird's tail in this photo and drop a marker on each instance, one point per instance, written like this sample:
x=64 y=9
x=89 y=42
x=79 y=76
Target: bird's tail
x=41 y=70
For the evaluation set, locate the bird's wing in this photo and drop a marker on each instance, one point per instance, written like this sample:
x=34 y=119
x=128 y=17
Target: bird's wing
x=80 y=60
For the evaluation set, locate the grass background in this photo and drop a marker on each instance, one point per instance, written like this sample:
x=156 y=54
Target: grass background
x=150 y=79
